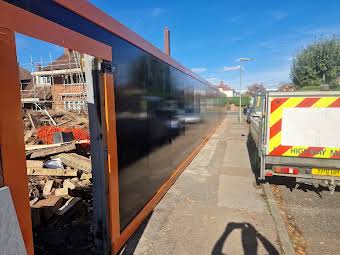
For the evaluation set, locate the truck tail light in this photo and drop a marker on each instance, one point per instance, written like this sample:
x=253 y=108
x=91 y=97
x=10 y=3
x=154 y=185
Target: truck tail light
x=269 y=174
x=286 y=170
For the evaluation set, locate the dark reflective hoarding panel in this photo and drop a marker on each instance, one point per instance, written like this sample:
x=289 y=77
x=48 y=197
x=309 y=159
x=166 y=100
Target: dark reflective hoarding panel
x=162 y=115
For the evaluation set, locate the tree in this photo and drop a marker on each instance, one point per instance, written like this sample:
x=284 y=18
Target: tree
x=287 y=87
x=256 y=88
x=318 y=63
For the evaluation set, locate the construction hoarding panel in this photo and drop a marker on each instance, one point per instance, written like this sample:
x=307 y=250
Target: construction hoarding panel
x=304 y=127
x=164 y=113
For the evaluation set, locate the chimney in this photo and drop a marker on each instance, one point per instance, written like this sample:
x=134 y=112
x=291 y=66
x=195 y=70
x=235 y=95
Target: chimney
x=167 y=41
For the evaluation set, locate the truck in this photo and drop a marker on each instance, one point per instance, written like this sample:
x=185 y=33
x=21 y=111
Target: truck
x=295 y=135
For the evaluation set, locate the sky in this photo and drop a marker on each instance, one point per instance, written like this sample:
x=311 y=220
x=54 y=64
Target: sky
x=209 y=36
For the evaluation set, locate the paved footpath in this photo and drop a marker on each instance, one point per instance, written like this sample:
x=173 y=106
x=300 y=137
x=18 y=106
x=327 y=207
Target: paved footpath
x=214 y=207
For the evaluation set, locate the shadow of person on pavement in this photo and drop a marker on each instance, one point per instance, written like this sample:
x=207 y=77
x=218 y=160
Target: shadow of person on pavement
x=250 y=237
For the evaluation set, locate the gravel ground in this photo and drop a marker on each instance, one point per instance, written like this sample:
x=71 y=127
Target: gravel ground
x=312 y=218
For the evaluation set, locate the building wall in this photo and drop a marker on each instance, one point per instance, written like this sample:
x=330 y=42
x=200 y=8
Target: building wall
x=228 y=93
x=58 y=90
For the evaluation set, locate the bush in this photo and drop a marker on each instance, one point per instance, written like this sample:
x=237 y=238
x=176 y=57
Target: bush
x=245 y=100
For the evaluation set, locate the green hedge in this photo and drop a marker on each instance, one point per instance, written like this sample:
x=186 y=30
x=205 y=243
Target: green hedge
x=317 y=88
x=245 y=100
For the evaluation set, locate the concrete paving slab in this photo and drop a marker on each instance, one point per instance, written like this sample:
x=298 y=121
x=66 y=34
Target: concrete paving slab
x=230 y=195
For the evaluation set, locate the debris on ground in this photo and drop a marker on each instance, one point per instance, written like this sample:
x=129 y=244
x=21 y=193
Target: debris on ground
x=52 y=182
x=40 y=126
x=57 y=145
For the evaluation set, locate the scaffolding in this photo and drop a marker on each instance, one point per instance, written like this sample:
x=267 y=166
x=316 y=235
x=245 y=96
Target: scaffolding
x=55 y=84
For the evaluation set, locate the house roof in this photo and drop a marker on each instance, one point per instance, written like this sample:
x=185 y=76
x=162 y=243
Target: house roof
x=24 y=74
x=41 y=93
x=224 y=87
x=65 y=61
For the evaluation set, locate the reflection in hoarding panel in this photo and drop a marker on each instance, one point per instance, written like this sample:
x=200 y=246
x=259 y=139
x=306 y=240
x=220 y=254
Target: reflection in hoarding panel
x=162 y=115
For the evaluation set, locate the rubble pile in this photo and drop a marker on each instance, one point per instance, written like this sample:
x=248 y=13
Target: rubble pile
x=59 y=178
x=58 y=162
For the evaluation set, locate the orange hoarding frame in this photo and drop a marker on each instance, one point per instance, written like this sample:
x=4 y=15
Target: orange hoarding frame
x=90 y=12
x=11 y=135
x=21 y=21
x=112 y=161
x=11 y=126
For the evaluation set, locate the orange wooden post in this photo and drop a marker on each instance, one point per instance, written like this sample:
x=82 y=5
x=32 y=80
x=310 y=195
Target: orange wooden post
x=12 y=135
x=111 y=138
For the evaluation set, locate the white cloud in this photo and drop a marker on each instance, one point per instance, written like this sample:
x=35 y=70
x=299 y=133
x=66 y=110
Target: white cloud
x=199 y=69
x=231 y=68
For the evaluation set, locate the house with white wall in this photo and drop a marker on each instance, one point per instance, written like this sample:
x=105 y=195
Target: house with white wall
x=226 y=89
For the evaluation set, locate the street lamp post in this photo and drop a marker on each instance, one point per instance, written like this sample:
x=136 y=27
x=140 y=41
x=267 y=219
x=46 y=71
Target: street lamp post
x=240 y=108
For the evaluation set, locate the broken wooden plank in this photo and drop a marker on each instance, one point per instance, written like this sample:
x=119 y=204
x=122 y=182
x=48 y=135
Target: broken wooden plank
x=48 y=188
x=33 y=201
x=51 y=172
x=61 y=192
x=34 y=163
x=49 y=206
x=52 y=201
x=68 y=205
x=63 y=123
x=75 y=161
x=84 y=183
x=51 y=151
x=85 y=176
x=42 y=146
x=31 y=120
x=68 y=184
x=28 y=135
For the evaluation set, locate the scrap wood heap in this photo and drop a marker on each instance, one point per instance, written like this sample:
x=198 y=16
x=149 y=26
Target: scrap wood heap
x=47 y=122
x=59 y=178
x=60 y=174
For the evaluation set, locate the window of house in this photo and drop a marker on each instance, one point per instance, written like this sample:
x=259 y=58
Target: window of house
x=43 y=80
x=70 y=79
x=79 y=105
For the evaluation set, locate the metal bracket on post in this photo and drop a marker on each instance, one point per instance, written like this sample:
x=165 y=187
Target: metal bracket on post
x=107 y=67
